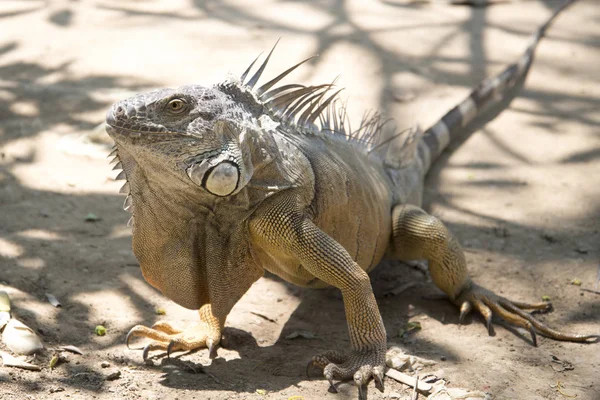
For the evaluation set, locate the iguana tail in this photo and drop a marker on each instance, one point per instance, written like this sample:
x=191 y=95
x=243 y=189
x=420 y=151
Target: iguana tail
x=483 y=104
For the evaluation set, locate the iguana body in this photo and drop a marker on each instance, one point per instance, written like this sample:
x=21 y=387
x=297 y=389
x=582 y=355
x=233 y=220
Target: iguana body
x=228 y=181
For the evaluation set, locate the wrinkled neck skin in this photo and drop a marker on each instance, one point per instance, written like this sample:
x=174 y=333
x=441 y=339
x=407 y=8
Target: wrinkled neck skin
x=194 y=246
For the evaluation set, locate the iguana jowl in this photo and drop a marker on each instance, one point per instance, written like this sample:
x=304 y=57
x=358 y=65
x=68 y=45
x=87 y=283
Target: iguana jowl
x=227 y=181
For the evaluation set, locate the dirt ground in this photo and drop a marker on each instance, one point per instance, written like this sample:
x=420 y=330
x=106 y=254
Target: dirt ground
x=523 y=194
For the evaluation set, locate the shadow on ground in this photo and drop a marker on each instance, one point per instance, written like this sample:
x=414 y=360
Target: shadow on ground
x=47 y=246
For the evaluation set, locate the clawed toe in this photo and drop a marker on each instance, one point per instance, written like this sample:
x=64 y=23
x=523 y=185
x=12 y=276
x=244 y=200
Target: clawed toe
x=487 y=303
x=359 y=367
x=165 y=337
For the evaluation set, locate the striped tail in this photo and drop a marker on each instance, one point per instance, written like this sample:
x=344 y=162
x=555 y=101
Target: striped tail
x=483 y=104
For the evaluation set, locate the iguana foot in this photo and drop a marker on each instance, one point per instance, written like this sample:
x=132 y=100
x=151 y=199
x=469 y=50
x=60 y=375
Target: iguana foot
x=359 y=366
x=166 y=337
x=487 y=303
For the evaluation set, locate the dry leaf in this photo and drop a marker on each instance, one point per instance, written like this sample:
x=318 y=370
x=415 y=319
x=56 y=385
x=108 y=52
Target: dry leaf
x=10 y=361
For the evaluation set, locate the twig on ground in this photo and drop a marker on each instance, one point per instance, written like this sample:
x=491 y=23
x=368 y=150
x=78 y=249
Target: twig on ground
x=422 y=387
x=415 y=394
x=263 y=316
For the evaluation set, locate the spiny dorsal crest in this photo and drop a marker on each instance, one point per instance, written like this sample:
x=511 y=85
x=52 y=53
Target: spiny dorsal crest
x=299 y=107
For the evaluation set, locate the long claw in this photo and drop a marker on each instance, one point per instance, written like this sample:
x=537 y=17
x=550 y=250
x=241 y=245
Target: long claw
x=533 y=336
x=145 y=352
x=212 y=349
x=465 y=309
x=310 y=365
x=128 y=338
x=485 y=311
x=378 y=377
x=362 y=392
x=170 y=348
x=488 y=324
x=332 y=388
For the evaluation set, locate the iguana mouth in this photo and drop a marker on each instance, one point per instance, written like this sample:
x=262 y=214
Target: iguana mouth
x=111 y=130
x=134 y=133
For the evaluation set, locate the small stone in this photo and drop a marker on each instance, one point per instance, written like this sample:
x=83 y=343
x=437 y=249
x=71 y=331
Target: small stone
x=105 y=364
x=113 y=376
x=56 y=389
x=443 y=358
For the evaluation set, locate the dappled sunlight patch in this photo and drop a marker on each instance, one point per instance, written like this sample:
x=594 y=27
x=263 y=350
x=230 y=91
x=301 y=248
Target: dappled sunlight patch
x=31 y=263
x=39 y=234
x=140 y=289
x=31 y=160
x=10 y=249
x=107 y=307
x=138 y=286
x=42 y=310
x=24 y=304
x=264 y=310
x=120 y=231
x=77 y=144
x=25 y=108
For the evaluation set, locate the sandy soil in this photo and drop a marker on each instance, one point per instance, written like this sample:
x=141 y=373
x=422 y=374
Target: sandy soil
x=523 y=194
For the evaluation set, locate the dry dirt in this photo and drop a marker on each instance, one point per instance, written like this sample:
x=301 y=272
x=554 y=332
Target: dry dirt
x=523 y=194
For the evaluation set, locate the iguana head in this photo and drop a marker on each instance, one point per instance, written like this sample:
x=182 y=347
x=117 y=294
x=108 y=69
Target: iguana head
x=194 y=135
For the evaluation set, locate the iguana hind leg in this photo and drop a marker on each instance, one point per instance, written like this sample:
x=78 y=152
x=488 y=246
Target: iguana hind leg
x=418 y=235
x=166 y=337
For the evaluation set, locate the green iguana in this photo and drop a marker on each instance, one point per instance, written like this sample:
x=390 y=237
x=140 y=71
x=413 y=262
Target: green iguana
x=228 y=181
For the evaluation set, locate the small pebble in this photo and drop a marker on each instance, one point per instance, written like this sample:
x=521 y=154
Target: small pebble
x=443 y=358
x=105 y=364
x=113 y=376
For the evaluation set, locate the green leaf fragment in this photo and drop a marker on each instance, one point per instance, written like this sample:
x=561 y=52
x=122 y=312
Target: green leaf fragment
x=545 y=298
x=91 y=217
x=576 y=282
x=413 y=326
x=409 y=327
x=262 y=392
x=53 y=361
x=100 y=330
x=160 y=311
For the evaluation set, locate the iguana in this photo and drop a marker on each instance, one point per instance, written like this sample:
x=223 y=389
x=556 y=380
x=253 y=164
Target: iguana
x=228 y=181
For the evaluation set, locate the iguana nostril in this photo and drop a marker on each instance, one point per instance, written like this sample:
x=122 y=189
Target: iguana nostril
x=119 y=111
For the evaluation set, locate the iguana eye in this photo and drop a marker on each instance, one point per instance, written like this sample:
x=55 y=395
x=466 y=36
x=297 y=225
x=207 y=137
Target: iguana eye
x=176 y=106
x=220 y=180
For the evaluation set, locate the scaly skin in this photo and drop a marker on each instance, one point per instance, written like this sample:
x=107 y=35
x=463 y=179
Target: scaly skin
x=228 y=181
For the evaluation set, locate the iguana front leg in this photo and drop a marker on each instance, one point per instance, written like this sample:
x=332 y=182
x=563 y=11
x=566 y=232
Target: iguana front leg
x=418 y=235
x=166 y=337
x=279 y=228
